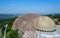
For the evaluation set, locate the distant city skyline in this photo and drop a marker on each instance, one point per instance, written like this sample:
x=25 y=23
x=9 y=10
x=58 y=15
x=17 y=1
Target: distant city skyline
x=29 y=6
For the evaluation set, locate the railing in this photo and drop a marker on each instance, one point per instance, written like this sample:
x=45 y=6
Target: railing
x=50 y=36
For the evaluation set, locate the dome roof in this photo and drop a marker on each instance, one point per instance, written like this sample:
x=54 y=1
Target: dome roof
x=22 y=21
x=44 y=23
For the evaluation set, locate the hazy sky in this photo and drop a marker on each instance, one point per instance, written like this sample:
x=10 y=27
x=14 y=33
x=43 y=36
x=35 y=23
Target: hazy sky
x=29 y=6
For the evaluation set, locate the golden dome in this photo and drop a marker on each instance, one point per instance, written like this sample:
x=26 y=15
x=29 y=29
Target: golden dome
x=44 y=23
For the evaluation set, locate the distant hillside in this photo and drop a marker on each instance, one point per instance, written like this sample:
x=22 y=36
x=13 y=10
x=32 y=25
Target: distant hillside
x=55 y=15
x=6 y=17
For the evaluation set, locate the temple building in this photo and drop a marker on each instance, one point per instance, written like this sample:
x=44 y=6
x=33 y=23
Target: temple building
x=32 y=26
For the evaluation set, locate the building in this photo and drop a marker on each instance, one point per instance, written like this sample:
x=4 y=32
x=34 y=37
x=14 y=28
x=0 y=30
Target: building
x=31 y=25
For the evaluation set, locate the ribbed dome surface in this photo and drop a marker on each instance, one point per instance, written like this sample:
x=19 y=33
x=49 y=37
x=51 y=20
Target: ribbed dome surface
x=45 y=23
x=24 y=22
